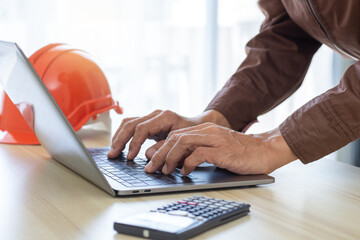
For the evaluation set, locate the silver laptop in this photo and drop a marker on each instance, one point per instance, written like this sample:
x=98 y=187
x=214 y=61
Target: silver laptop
x=117 y=177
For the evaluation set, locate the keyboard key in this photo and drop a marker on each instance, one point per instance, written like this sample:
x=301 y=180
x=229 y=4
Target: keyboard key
x=122 y=170
x=126 y=184
x=135 y=181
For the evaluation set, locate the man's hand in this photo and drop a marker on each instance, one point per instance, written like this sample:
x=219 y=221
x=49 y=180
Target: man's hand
x=157 y=126
x=223 y=147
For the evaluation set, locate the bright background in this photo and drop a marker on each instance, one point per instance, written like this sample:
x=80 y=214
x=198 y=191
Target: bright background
x=159 y=54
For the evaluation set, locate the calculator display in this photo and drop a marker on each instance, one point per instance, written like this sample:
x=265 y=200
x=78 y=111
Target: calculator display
x=159 y=221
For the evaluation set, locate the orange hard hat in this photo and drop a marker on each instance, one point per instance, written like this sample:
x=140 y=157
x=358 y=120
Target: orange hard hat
x=76 y=83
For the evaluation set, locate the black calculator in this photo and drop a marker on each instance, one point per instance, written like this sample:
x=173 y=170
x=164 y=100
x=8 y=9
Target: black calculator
x=182 y=219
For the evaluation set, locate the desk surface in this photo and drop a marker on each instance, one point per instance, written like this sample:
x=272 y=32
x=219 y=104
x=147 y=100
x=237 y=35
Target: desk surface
x=41 y=199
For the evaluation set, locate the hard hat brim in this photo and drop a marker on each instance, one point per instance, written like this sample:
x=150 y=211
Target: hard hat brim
x=26 y=138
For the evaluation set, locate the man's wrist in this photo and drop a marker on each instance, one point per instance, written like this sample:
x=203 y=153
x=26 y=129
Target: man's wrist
x=279 y=152
x=212 y=116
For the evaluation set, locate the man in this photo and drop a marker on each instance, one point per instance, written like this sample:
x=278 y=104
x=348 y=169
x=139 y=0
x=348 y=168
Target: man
x=275 y=66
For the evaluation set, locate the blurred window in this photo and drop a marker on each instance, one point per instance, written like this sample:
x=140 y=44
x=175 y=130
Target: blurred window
x=157 y=53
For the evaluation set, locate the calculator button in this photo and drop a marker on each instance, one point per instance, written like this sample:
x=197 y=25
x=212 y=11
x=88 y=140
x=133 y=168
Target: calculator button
x=178 y=213
x=200 y=218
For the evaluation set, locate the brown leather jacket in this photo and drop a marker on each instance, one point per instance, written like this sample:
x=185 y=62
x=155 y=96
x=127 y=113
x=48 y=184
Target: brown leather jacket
x=277 y=60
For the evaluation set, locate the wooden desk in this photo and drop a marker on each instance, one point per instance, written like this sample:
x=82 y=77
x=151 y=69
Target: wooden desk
x=41 y=199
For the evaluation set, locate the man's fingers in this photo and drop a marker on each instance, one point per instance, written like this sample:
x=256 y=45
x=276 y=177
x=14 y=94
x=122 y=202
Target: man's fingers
x=125 y=132
x=121 y=126
x=157 y=124
x=114 y=152
x=153 y=125
x=153 y=149
x=185 y=143
x=178 y=145
x=158 y=159
x=198 y=156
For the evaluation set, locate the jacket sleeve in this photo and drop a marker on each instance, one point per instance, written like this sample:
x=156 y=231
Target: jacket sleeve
x=275 y=66
x=327 y=122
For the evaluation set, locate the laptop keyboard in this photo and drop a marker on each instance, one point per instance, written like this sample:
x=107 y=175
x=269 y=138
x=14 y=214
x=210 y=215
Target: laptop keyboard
x=132 y=173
